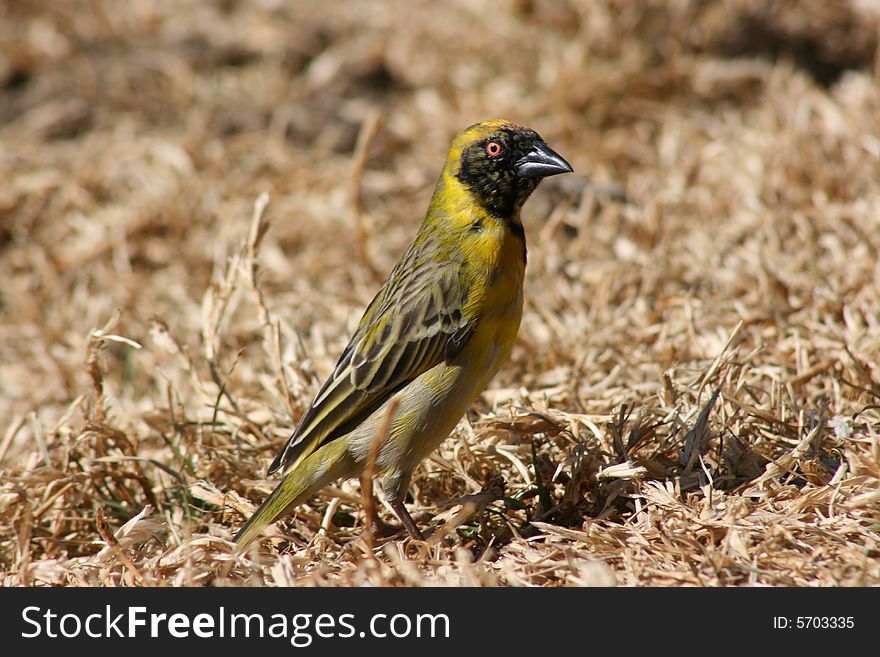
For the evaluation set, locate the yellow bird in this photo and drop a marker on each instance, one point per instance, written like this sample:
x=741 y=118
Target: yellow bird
x=437 y=331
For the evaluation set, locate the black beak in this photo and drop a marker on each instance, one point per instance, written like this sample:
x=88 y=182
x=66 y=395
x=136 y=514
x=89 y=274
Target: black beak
x=541 y=162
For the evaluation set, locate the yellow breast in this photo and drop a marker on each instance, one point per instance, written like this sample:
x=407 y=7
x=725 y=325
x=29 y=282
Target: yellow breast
x=496 y=260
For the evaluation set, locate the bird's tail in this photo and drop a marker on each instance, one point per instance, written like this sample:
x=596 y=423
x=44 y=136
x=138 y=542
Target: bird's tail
x=287 y=494
x=304 y=480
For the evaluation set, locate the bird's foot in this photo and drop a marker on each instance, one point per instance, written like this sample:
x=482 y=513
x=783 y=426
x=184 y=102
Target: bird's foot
x=381 y=529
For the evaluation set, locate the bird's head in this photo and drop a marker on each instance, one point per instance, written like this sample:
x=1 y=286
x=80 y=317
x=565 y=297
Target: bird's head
x=501 y=163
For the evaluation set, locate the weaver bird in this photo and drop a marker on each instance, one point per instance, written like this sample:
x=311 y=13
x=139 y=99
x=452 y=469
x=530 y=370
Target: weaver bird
x=437 y=331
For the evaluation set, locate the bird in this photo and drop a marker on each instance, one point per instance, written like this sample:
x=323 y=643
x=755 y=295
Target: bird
x=439 y=328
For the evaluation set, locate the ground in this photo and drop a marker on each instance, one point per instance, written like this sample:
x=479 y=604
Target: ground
x=199 y=198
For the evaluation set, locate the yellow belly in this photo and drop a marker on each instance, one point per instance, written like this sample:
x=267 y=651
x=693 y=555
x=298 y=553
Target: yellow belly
x=432 y=404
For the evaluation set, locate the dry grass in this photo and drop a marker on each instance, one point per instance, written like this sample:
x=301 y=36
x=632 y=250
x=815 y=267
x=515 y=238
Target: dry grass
x=695 y=395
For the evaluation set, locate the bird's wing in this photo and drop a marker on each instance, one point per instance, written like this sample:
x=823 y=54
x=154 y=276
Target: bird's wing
x=415 y=321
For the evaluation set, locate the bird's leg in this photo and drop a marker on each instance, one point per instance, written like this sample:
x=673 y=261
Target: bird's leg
x=374 y=525
x=394 y=488
x=399 y=508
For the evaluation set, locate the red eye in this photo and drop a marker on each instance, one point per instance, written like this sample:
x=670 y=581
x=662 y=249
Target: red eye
x=493 y=148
